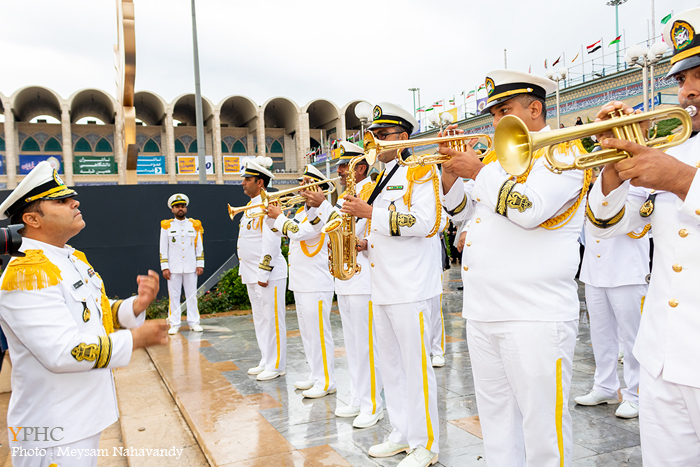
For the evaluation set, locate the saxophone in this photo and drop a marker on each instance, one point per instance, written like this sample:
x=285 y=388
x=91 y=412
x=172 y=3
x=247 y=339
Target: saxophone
x=342 y=242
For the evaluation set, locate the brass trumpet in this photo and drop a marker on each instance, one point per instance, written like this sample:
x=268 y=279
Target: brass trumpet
x=458 y=142
x=284 y=198
x=515 y=144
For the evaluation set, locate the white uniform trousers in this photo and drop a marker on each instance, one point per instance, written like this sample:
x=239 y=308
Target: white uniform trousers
x=437 y=327
x=611 y=308
x=359 y=334
x=270 y=325
x=314 y=314
x=175 y=285
x=669 y=422
x=60 y=455
x=410 y=389
x=522 y=376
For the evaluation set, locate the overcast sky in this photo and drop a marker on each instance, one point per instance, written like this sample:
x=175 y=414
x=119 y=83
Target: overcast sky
x=307 y=49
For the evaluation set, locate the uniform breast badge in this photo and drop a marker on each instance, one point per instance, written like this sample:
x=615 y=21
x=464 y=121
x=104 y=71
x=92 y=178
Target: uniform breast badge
x=392 y=207
x=86 y=313
x=173 y=239
x=648 y=206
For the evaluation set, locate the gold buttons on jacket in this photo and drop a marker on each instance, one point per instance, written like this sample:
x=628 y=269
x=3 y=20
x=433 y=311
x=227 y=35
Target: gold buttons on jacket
x=652 y=191
x=697 y=164
x=597 y=240
x=673 y=303
x=683 y=233
x=478 y=199
x=466 y=268
x=478 y=220
x=697 y=211
x=372 y=246
x=469 y=243
x=605 y=203
x=677 y=267
x=598 y=256
x=372 y=264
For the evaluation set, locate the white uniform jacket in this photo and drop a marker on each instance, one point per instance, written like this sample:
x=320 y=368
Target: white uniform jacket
x=513 y=269
x=401 y=256
x=61 y=353
x=614 y=262
x=181 y=245
x=308 y=271
x=259 y=250
x=668 y=336
x=360 y=283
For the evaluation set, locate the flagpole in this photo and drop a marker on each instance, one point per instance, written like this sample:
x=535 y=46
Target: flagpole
x=563 y=56
x=602 y=54
x=583 y=63
x=624 y=38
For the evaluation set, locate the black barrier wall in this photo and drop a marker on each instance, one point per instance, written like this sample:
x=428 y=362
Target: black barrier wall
x=122 y=232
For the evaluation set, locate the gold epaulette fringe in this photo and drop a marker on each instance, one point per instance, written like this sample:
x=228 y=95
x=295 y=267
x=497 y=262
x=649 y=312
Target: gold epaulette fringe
x=198 y=227
x=32 y=272
x=165 y=224
x=639 y=235
x=367 y=190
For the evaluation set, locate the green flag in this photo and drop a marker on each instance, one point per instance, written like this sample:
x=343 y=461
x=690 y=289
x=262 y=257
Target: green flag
x=665 y=19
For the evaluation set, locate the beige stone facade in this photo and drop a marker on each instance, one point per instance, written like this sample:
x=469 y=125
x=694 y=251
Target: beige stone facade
x=234 y=128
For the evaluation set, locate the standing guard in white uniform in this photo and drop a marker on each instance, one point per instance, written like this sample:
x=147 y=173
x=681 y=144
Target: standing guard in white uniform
x=312 y=284
x=404 y=212
x=356 y=308
x=614 y=271
x=264 y=272
x=182 y=260
x=668 y=343
x=62 y=330
x=518 y=266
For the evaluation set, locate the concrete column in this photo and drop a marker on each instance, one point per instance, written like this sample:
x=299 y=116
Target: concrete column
x=218 y=155
x=170 y=146
x=249 y=144
x=261 y=133
x=10 y=146
x=340 y=129
x=119 y=152
x=302 y=138
x=67 y=137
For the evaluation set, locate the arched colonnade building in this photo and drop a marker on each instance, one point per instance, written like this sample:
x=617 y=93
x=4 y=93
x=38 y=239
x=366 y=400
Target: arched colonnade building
x=91 y=153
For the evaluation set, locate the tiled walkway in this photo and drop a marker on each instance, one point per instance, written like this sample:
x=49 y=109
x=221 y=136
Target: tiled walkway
x=307 y=431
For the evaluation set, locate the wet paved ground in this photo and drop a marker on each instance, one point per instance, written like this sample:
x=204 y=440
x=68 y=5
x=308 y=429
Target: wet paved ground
x=600 y=438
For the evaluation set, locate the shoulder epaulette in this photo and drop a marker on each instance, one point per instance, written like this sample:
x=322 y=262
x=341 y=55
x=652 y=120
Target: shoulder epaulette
x=197 y=225
x=419 y=172
x=165 y=224
x=81 y=256
x=367 y=190
x=32 y=272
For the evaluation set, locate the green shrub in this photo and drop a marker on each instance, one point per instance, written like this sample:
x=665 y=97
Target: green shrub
x=588 y=144
x=666 y=127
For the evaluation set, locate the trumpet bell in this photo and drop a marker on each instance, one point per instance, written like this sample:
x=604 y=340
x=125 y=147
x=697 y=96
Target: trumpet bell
x=511 y=142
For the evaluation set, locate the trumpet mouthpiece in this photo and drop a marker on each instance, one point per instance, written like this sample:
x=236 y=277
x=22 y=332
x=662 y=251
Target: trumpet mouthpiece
x=692 y=111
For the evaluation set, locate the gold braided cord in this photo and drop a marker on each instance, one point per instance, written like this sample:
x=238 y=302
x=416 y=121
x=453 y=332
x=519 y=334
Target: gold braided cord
x=644 y=231
x=421 y=175
x=564 y=218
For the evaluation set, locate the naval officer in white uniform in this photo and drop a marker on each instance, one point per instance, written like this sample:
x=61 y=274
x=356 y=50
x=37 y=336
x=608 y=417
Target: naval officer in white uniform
x=63 y=332
x=668 y=343
x=404 y=212
x=312 y=284
x=264 y=272
x=182 y=260
x=518 y=266
x=356 y=308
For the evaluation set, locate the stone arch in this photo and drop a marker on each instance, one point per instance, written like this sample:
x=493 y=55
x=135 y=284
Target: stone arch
x=151 y=147
x=323 y=114
x=238 y=111
x=280 y=112
x=351 y=120
x=179 y=147
x=92 y=103
x=150 y=107
x=33 y=101
x=104 y=146
x=184 y=109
